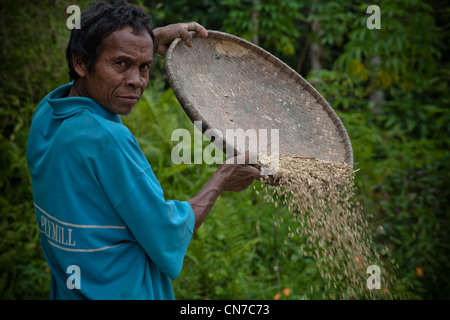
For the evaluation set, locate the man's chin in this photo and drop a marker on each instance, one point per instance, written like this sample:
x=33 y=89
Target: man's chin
x=126 y=112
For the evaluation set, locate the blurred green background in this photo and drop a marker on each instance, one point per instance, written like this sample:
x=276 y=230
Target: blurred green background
x=389 y=86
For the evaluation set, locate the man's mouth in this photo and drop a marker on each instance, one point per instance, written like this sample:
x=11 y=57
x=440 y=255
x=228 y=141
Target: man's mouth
x=129 y=99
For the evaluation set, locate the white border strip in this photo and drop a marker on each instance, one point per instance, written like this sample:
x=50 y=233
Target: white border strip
x=78 y=225
x=85 y=250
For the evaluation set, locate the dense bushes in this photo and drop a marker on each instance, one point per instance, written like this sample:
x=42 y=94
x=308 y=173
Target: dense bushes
x=33 y=40
x=246 y=248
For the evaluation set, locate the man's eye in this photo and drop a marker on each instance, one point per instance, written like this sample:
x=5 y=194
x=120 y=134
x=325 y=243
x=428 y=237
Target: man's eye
x=121 y=63
x=145 y=67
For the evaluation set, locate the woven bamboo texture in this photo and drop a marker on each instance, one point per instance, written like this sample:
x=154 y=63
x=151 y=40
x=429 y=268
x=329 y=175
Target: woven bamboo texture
x=229 y=83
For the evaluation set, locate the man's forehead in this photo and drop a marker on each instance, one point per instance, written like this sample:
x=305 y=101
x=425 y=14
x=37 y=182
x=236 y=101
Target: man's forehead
x=128 y=41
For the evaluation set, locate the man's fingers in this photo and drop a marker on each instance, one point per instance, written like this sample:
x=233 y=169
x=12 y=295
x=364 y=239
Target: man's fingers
x=165 y=35
x=194 y=26
x=186 y=36
x=254 y=172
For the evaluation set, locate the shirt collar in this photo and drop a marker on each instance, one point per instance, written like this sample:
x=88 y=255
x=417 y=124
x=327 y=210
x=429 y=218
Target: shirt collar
x=64 y=106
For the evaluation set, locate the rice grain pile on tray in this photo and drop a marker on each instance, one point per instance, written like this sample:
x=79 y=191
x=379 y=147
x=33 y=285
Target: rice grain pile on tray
x=320 y=195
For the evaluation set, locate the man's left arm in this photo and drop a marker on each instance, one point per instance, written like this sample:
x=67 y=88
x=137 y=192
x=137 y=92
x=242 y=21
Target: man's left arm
x=165 y=35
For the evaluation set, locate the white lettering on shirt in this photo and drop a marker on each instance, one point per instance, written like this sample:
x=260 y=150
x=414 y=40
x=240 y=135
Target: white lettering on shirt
x=56 y=232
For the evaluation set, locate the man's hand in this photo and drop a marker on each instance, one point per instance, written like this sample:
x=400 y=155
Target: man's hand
x=234 y=175
x=237 y=174
x=165 y=35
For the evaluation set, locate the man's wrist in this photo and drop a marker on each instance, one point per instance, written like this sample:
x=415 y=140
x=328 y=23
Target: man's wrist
x=218 y=179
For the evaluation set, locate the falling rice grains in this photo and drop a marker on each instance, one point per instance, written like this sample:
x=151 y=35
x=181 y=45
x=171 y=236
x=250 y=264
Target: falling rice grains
x=320 y=195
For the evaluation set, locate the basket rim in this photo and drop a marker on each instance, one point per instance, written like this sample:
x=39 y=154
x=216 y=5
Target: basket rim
x=193 y=114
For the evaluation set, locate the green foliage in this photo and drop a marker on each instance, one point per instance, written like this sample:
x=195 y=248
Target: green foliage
x=390 y=87
x=405 y=47
x=275 y=22
x=400 y=143
x=243 y=252
x=33 y=41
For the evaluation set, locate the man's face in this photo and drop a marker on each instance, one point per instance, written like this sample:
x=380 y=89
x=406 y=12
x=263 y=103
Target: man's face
x=121 y=71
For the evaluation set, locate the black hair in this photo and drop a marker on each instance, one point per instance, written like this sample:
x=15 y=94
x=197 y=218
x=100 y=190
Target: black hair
x=99 y=20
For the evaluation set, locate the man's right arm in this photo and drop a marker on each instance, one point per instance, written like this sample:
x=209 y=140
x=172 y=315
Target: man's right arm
x=228 y=177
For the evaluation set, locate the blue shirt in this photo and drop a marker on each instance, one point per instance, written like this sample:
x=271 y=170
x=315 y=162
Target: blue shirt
x=106 y=230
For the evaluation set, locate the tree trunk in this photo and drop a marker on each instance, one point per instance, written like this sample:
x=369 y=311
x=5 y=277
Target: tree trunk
x=376 y=97
x=315 y=49
x=255 y=22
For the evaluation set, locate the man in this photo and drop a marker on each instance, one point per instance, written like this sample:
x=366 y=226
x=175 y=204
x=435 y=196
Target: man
x=106 y=230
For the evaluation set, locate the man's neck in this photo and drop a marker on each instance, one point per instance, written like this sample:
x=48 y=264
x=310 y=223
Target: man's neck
x=75 y=91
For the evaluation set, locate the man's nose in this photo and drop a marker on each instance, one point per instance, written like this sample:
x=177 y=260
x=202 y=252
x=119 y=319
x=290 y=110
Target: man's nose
x=134 y=78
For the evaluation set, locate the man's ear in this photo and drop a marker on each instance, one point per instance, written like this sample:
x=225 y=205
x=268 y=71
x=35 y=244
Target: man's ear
x=79 y=66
